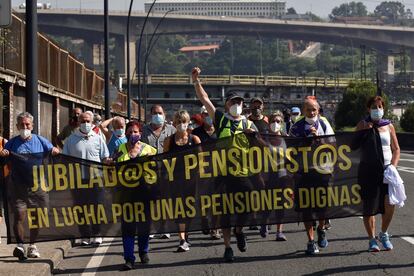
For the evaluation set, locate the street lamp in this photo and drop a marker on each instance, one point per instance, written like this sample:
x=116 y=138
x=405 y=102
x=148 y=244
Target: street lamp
x=261 y=53
x=129 y=65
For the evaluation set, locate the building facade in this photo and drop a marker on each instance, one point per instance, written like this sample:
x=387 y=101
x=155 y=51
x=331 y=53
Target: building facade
x=234 y=8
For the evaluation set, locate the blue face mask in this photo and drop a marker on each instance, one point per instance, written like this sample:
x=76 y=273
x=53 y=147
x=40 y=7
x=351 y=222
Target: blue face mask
x=157 y=119
x=133 y=139
x=119 y=132
x=377 y=114
x=208 y=121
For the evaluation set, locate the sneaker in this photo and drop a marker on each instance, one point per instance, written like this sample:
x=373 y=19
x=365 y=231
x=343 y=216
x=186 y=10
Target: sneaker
x=322 y=241
x=241 y=241
x=215 y=234
x=264 y=231
x=151 y=236
x=328 y=224
x=228 y=255
x=18 y=252
x=183 y=247
x=385 y=240
x=165 y=236
x=33 y=252
x=144 y=258
x=373 y=246
x=312 y=248
x=128 y=266
x=280 y=236
x=96 y=241
x=84 y=242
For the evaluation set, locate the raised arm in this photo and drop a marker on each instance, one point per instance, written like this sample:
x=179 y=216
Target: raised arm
x=104 y=128
x=201 y=93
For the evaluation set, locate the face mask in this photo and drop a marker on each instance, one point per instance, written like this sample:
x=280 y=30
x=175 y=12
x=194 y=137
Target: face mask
x=294 y=117
x=256 y=112
x=25 y=133
x=119 y=132
x=157 y=119
x=85 y=128
x=182 y=127
x=208 y=121
x=133 y=139
x=235 y=110
x=377 y=114
x=275 y=127
x=311 y=120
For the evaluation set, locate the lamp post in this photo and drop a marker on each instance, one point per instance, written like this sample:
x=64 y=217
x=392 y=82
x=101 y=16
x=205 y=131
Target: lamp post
x=106 y=59
x=129 y=64
x=139 y=60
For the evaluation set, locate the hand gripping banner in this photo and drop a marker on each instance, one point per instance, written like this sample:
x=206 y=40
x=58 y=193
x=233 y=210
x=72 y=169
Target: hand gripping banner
x=248 y=179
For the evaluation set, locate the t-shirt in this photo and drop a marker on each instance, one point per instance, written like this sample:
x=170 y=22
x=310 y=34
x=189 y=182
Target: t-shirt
x=36 y=144
x=302 y=128
x=66 y=132
x=203 y=135
x=91 y=147
x=262 y=125
x=115 y=142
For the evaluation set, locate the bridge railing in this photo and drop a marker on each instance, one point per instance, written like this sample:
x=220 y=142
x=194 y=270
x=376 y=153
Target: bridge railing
x=248 y=80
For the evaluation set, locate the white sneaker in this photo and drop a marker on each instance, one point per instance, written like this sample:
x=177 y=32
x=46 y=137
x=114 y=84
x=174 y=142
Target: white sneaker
x=152 y=236
x=96 y=240
x=33 y=252
x=84 y=242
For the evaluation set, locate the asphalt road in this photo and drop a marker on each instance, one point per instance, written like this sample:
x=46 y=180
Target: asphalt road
x=346 y=254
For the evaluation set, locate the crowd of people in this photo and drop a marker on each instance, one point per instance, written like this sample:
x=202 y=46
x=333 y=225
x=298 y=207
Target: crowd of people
x=117 y=140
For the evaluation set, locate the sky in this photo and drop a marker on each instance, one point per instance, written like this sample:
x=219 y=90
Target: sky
x=319 y=7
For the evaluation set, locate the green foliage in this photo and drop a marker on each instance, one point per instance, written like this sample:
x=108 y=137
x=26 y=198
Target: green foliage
x=352 y=108
x=391 y=9
x=291 y=10
x=407 y=119
x=349 y=9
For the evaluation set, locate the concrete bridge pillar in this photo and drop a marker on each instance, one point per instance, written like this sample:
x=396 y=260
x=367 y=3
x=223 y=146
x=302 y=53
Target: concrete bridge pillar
x=386 y=67
x=132 y=55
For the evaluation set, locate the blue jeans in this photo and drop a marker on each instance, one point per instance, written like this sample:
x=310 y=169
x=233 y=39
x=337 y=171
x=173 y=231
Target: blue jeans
x=128 y=243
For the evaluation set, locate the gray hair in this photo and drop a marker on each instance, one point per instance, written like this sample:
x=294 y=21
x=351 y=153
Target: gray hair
x=118 y=119
x=23 y=115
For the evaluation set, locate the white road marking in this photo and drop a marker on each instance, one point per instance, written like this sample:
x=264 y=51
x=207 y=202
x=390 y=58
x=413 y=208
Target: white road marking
x=405 y=169
x=97 y=258
x=408 y=239
x=407 y=160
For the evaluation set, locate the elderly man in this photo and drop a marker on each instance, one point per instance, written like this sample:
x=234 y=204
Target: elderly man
x=26 y=142
x=154 y=134
x=228 y=124
x=115 y=137
x=70 y=128
x=86 y=144
x=311 y=125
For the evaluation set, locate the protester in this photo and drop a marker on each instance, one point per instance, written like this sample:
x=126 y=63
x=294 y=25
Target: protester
x=309 y=126
x=276 y=127
x=178 y=142
x=86 y=144
x=257 y=117
x=115 y=137
x=70 y=128
x=133 y=148
x=26 y=142
x=371 y=183
x=228 y=124
x=154 y=134
x=294 y=114
x=3 y=141
x=97 y=121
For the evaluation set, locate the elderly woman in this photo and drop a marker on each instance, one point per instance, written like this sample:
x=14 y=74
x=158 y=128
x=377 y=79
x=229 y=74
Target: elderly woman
x=179 y=142
x=371 y=183
x=133 y=148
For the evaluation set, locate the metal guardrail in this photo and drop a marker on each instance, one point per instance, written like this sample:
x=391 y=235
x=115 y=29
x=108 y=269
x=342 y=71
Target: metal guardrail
x=248 y=80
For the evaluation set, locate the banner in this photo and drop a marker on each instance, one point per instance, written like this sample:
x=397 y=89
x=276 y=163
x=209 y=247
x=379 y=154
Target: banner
x=248 y=179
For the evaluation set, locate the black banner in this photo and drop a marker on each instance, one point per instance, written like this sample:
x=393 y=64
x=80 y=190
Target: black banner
x=248 y=179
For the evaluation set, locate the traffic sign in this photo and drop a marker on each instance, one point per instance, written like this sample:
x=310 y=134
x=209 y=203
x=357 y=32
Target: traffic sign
x=5 y=13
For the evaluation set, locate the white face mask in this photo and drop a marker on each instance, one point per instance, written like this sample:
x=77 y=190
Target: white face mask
x=85 y=128
x=182 y=127
x=25 y=133
x=294 y=118
x=236 y=110
x=275 y=127
x=311 y=120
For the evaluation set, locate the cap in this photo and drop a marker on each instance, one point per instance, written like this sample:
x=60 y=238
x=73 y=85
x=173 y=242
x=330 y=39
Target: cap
x=233 y=95
x=256 y=99
x=203 y=109
x=295 y=109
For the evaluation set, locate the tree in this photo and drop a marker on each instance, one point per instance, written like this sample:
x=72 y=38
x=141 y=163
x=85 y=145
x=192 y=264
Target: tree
x=391 y=9
x=407 y=119
x=291 y=10
x=349 y=9
x=352 y=108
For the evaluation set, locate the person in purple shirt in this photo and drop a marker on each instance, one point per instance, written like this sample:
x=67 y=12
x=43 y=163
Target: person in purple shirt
x=26 y=142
